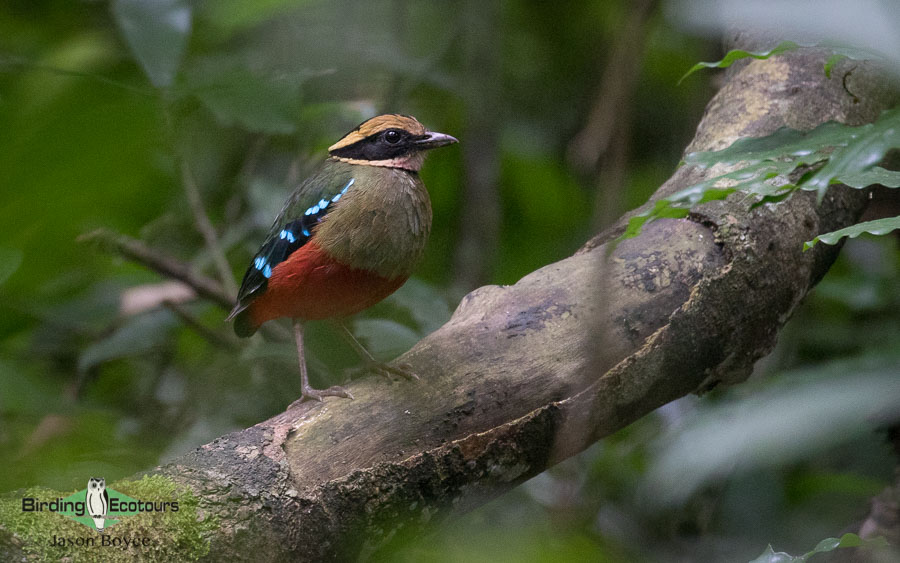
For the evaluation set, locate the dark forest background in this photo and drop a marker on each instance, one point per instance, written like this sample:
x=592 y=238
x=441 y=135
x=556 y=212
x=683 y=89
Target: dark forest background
x=165 y=120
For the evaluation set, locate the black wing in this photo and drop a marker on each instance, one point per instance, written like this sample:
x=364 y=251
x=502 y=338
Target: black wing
x=291 y=230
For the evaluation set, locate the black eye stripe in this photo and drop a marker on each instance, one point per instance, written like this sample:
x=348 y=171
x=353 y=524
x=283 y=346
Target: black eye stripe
x=384 y=145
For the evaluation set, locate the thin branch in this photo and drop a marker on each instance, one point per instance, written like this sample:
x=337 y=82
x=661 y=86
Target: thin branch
x=619 y=79
x=168 y=266
x=24 y=63
x=479 y=221
x=206 y=229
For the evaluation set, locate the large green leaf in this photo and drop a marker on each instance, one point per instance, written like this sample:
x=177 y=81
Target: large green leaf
x=876 y=227
x=157 y=32
x=257 y=101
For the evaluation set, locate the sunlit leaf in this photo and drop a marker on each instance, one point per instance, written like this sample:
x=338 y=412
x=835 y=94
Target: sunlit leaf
x=824 y=546
x=157 y=32
x=737 y=54
x=876 y=227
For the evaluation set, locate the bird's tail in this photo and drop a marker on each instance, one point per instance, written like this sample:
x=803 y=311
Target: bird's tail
x=99 y=523
x=243 y=324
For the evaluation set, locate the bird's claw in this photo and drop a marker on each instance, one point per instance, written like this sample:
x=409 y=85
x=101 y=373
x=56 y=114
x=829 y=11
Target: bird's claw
x=310 y=394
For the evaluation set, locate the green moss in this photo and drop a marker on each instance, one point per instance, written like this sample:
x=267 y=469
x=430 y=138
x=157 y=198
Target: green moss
x=150 y=536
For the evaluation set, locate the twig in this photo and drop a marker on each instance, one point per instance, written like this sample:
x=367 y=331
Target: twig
x=206 y=229
x=476 y=247
x=27 y=64
x=168 y=266
x=616 y=86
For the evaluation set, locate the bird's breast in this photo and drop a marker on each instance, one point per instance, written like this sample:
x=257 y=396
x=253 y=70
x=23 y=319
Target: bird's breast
x=381 y=225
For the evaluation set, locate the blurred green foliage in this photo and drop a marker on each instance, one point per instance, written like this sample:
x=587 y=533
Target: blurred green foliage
x=103 y=103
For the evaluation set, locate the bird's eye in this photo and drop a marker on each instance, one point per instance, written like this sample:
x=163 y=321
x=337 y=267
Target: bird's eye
x=392 y=136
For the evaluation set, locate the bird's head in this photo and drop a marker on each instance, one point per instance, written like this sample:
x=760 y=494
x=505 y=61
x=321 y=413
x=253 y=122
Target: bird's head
x=391 y=140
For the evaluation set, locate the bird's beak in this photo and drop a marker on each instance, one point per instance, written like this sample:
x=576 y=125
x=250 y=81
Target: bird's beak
x=431 y=140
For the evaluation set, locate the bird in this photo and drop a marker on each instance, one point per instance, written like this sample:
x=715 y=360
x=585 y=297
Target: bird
x=347 y=237
x=97 y=501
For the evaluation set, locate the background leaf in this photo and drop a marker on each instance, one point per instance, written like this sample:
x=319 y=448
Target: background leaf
x=263 y=102
x=876 y=227
x=157 y=32
x=808 y=411
x=139 y=334
x=737 y=54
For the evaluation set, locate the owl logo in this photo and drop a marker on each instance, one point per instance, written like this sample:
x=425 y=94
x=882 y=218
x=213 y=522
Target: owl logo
x=97 y=501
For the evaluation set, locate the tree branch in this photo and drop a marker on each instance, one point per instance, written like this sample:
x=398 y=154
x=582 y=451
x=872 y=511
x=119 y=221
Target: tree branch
x=170 y=267
x=524 y=376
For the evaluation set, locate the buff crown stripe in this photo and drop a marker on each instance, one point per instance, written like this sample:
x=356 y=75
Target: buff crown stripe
x=376 y=124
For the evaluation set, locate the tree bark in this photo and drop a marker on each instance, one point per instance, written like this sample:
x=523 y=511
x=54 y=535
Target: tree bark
x=524 y=376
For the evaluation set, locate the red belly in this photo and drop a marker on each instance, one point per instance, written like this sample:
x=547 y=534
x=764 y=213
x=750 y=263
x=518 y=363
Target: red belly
x=311 y=285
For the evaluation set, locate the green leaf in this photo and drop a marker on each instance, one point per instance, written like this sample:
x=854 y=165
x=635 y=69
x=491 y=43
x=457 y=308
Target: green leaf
x=824 y=546
x=262 y=102
x=834 y=153
x=425 y=305
x=863 y=148
x=804 y=412
x=385 y=339
x=156 y=31
x=738 y=54
x=138 y=335
x=789 y=145
x=231 y=16
x=876 y=227
x=866 y=178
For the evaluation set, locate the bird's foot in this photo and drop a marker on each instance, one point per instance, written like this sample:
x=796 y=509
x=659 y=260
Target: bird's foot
x=308 y=393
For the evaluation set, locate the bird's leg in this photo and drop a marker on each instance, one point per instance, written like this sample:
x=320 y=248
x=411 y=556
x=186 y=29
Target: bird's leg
x=308 y=392
x=372 y=364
